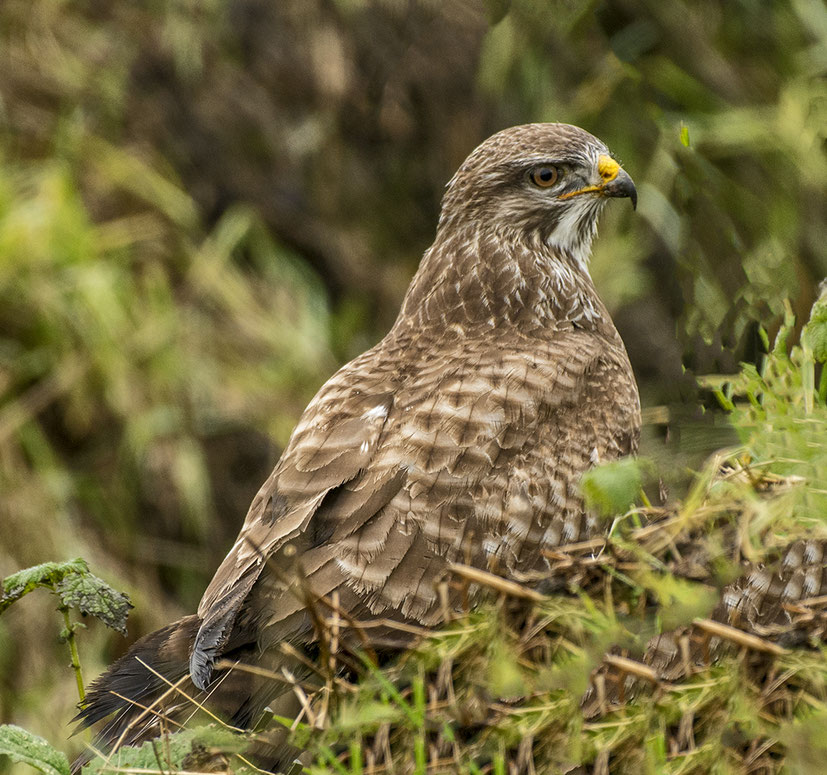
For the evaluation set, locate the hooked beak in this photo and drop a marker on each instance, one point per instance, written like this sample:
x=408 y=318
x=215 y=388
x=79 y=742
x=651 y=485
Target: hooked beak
x=615 y=181
x=622 y=185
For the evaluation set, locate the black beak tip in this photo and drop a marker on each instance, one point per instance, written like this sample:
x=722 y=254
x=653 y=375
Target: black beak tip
x=622 y=185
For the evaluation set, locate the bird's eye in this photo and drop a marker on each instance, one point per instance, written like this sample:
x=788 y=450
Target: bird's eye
x=544 y=176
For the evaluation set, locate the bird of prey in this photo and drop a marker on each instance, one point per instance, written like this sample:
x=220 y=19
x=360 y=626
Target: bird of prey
x=461 y=436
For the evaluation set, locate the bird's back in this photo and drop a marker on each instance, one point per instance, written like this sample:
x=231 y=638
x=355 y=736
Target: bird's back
x=461 y=437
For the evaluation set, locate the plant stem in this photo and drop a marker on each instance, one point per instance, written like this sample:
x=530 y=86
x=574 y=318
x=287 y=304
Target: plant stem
x=73 y=649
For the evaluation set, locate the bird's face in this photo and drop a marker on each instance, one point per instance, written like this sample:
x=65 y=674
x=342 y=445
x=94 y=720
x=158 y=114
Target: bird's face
x=545 y=181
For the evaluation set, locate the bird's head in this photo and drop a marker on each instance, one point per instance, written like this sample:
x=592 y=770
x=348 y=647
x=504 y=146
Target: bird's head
x=541 y=181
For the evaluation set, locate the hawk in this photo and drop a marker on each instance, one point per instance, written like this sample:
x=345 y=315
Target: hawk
x=461 y=436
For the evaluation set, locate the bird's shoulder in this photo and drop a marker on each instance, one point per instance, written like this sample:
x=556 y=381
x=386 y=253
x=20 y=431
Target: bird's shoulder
x=410 y=408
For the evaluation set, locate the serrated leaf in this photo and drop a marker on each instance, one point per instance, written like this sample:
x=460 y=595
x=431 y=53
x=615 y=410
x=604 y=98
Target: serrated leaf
x=93 y=596
x=23 y=746
x=611 y=488
x=48 y=574
x=210 y=742
x=188 y=749
x=76 y=587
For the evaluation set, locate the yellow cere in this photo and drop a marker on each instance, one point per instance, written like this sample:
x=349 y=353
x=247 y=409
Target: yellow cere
x=607 y=167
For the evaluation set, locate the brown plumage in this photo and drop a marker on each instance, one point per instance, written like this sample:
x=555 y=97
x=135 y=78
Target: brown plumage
x=462 y=435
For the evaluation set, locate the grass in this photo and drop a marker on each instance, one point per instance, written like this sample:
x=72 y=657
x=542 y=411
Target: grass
x=159 y=337
x=635 y=662
x=636 y=666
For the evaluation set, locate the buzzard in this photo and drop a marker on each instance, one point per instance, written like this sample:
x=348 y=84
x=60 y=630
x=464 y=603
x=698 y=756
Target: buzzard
x=461 y=436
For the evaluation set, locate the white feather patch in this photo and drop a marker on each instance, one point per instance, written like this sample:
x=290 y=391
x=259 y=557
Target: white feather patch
x=376 y=413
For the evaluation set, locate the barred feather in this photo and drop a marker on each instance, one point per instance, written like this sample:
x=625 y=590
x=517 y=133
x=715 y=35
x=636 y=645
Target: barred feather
x=463 y=434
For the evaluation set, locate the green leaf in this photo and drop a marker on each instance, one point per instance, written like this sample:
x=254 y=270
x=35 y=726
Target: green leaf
x=194 y=749
x=91 y=595
x=22 y=746
x=75 y=586
x=611 y=488
x=504 y=676
x=806 y=744
x=46 y=575
x=684 y=135
x=814 y=334
x=681 y=601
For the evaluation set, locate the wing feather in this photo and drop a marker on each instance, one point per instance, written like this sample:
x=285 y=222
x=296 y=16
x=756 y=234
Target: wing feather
x=333 y=444
x=392 y=473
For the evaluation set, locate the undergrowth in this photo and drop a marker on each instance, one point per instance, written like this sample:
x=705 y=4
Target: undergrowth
x=689 y=639
x=638 y=660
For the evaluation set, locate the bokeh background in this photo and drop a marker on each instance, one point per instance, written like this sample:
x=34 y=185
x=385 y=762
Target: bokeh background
x=206 y=207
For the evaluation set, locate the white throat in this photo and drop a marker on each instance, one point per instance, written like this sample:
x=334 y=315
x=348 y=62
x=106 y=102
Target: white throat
x=575 y=231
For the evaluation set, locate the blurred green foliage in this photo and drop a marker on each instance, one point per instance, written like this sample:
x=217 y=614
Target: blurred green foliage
x=505 y=691
x=781 y=419
x=204 y=207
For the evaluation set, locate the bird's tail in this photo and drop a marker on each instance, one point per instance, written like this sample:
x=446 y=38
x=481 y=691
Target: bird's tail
x=148 y=691
x=137 y=688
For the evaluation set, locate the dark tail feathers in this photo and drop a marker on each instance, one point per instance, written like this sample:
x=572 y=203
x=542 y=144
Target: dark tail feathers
x=139 y=679
x=129 y=686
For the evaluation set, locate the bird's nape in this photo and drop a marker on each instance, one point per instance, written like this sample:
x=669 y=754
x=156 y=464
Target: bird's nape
x=460 y=437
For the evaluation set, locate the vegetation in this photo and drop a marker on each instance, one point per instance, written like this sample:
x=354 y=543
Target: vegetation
x=537 y=682
x=75 y=587
x=204 y=207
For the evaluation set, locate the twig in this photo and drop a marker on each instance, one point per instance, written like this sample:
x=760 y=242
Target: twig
x=157 y=713
x=630 y=666
x=148 y=710
x=187 y=697
x=734 y=635
x=73 y=650
x=498 y=583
